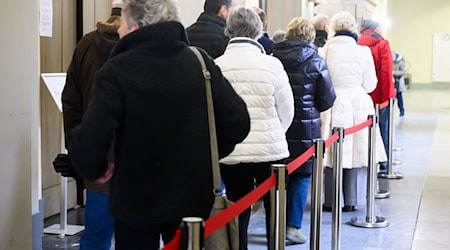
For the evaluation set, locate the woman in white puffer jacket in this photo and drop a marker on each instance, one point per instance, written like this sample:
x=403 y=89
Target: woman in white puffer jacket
x=353 y=76
x=260 y=80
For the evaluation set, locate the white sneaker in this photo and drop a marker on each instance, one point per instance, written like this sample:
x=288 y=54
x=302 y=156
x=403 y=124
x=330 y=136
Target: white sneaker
x=295 y=235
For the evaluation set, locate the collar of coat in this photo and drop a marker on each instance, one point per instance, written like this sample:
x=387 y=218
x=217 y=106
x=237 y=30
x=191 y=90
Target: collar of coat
x=158 y=37
x=212 y=18
x=246 y=40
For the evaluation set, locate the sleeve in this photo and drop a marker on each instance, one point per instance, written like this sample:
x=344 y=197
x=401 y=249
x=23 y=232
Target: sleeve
x=324 y=91
x=231 y=115
x=401 y=69
x=370 y=75
x=72 y=98
x=386 y=79
x=284 y=98
x=92 y=139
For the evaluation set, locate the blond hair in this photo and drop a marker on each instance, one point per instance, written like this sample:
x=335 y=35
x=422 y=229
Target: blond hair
x=300 y=28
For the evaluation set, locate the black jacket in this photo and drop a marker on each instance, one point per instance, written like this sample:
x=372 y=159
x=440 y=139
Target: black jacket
x=313 y=93
x=321 y=38
x=266 y=42
x=151 y=95
x=208 y=34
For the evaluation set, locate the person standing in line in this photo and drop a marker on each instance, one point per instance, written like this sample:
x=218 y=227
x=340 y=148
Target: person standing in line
x=150 y=97
x=399 y=78
x=207 y=32
x=313 y=94
x=320 y=23
x=278 y=36
x=91 y=53
x=265 y=40
x=381 y=52
x=353 y=76
x=264 y=85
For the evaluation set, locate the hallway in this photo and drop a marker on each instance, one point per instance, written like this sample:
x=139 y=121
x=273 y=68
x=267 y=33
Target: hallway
x=419 y=206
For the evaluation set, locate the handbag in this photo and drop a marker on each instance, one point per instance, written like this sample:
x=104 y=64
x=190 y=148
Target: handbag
x=227 y=237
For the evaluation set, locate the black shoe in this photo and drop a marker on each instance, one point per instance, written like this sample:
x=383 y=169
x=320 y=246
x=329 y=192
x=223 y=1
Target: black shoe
x=326 y=209
x=349 y=209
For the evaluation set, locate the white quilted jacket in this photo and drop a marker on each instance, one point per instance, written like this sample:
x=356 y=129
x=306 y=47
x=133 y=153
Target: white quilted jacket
x=263 y=84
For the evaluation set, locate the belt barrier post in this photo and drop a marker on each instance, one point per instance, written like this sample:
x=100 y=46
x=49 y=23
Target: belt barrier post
x=380 y=194
x=316 y=195
x=337 y=190
x=371 y=221
x=278 y=208
x=192 y=233
x=390 y=170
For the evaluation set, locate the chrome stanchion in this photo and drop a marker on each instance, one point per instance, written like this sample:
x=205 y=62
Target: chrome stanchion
x=278 y=209
x=371 y=221
x=390 y=170
x=337 y=190
x=192 y=233
x=316 y=195
x=380 y=194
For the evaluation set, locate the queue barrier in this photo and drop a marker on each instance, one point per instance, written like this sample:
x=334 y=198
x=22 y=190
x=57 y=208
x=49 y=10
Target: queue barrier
x=221 y=219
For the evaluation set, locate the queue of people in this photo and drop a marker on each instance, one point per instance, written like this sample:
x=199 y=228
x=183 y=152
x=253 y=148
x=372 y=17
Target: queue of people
x=147 y=114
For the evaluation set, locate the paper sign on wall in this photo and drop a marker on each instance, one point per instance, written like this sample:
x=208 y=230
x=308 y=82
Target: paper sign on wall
x=46 y=18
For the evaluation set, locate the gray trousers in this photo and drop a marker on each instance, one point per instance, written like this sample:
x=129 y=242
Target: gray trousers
x=349 y=187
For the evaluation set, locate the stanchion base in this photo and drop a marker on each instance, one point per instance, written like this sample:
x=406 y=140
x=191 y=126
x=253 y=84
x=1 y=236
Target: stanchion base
x=382 y=194
x=379 y=223
x=397 y=162
x=70 y=230
x=397 y=148
x=394 y=176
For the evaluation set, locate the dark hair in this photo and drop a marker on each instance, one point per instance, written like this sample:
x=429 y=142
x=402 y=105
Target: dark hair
x=213 y=6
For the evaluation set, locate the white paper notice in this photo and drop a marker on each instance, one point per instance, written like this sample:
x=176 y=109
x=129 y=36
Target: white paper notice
x=46 y=17
x=55 y=84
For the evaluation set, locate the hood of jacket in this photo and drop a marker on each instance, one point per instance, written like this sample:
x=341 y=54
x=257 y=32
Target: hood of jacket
x=107 y=37
x=294 y=52
x=369 y=38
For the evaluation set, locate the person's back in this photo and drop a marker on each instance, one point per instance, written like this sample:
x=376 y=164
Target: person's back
x=150 y=96
x=89 y=56
x=320 y=23
x=208 y=32
x=264 y=40
x=381 y=52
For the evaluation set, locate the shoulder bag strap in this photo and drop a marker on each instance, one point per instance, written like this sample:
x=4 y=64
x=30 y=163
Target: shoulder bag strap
x=211 y=122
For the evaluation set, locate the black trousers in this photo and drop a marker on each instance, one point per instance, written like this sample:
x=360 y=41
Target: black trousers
x=240 y=179
x=139 y=236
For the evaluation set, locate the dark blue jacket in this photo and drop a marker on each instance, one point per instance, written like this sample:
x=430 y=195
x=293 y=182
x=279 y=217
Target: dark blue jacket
x=313 y=93
x=266 y=42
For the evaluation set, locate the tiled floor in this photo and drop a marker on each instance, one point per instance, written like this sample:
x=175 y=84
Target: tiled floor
x=419 y=206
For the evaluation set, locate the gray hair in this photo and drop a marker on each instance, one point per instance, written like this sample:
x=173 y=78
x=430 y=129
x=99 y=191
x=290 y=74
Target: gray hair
x=342 y=21
x=244 y=22
x=278 y=36
x=147 y=12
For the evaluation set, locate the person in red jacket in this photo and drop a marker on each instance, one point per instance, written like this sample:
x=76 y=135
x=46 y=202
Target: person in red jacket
x=381 y=52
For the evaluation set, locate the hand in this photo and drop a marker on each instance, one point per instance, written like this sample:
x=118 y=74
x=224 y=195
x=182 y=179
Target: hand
x=107 y=175
x=63 y=165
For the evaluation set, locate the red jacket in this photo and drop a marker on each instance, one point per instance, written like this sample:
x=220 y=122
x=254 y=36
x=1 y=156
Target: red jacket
x=381 y=52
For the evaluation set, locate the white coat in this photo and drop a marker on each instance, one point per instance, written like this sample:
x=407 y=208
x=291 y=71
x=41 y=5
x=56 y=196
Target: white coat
x=260 y=80
x=353 y=76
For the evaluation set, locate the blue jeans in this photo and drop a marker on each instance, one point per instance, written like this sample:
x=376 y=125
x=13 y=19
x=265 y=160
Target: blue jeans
x=98 y=223
x=384 y=131
x=400 y=104
x=297 y=195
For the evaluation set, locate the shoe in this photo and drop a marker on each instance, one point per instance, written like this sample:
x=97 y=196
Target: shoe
x=326 y=209
x=349 y=209
x=402 y=114
x=295 y=235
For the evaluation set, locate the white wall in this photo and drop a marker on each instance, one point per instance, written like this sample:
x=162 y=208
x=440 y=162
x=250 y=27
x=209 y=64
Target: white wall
x=190 y=10
x=19 y=47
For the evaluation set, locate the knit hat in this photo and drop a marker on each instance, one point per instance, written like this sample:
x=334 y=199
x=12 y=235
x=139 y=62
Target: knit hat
x=369 y=24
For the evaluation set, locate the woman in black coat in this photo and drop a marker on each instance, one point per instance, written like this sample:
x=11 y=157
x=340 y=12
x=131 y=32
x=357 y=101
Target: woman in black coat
x=313 y=93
